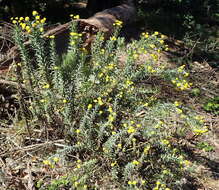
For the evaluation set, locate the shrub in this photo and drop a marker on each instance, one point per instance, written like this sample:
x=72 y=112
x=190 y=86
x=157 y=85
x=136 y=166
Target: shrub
x=117 y=129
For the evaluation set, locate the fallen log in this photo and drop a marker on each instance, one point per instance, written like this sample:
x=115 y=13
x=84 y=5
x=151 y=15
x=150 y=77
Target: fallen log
x=102 y=21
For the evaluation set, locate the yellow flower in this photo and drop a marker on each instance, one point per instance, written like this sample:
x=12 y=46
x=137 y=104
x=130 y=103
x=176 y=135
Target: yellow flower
x=89 y=106
x=165 y=142
x=119 y=145
x=52 y=37
x=117 y=23
x=146 y=149
x=21 y=18
x=99 y=100
x=111 y=118
x=46 y=86
x=135 y=162
x=146 y=104
x=134 y=182
x=131 y=129
x=146 y=35
x=34 y=13
x=186 y=74
x=161 y=41
x=176 y=103
x=43 y=20
x=179 y=110
x=27 y=28
x=110 y=109
x=156 y=33
x=152 y=46
x=55 y=159
x=113 y=133
x=23 y=25
x=200 y=131
x=46 y=162
x=113 y=38
x=76 y=17
x=78 y=131
x=113 y=164
x=14 y=22
x=73 y=33
x=64 y=101
x=37 y=17
x=187 y=163
x=173 y=81
x=41 y=29
x=72 y=43
x=138 y=125
x=158 y=183
x=27 y=18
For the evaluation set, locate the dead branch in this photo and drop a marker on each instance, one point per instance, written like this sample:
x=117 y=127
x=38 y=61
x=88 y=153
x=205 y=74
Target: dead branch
x=101 y=21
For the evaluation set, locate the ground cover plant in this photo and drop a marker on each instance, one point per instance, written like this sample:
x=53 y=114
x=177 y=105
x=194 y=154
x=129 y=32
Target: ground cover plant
x=117 y=130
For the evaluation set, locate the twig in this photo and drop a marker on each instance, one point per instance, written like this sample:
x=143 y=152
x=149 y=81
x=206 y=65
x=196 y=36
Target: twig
x=31 y=147
x=30 y=184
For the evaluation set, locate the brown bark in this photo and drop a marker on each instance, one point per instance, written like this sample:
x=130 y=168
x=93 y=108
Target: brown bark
x=94 y=6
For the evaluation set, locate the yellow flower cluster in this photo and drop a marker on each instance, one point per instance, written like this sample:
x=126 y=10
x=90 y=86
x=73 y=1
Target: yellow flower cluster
x=78 y=164
x=112 y=115
x=181 y=84
x=113 y=38
x=131 y=129
x=177 y=104
x=74 y=38
x=135 y=162
x=74 y=17
x=118 y=23
x=146 y=149
x=46 y=86
x=51 y=163
x=132 y=182
x=75 y=35
x=199 y=131
x=165 y=142
x=150 y=69
x=27 y=25
x=160 y=186
x=99 y=101
x=145 y=35
x=89 y=106
x=113 y=164
x=182 y=70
